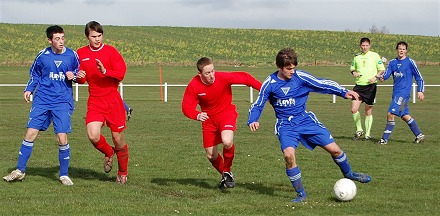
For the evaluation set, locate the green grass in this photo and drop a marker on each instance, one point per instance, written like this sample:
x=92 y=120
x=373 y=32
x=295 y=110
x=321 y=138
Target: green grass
x=177 y=46
x=170 y=175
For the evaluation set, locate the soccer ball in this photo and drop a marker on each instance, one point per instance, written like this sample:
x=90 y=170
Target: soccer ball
x=345 y=189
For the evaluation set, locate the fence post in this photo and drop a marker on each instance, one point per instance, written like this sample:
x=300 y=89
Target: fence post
x=334 y=98
x=166 y=92
x=414 y=92
x=121 y=90
x=251 y=95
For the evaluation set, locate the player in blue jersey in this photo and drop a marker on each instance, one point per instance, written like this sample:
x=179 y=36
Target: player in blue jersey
x=50 y=82
x=402 y=69
x=287 y=90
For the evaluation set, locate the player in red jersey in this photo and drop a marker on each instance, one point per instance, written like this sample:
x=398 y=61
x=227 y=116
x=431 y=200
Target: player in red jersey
x=212 y=91
x=103 y=67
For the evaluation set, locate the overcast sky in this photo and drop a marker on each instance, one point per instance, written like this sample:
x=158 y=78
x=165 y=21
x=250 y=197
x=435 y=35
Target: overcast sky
x=410 y=17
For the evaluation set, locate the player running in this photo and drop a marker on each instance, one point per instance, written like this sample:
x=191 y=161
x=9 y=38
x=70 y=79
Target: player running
x=212 y=91
x=403 y=69
x=103 y=67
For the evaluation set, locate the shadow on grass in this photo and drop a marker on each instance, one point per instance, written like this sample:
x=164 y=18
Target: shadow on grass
x=203 y=183
x=371 y=141
x=74 y=173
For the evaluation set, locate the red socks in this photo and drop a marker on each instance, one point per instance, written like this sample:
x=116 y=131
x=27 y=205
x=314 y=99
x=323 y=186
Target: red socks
x=109 y=151
x=224 y=165
x=104 y=147
x=229 y=157
x=218 y=163
x=122 y=154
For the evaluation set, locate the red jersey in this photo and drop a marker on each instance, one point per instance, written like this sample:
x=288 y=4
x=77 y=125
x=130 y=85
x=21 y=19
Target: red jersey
x=101 y=84
x=216 y=97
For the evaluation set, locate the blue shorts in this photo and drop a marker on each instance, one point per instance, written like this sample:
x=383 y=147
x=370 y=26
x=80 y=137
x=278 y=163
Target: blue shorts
x=399 y=106
x=304 y=128
x=40 y=119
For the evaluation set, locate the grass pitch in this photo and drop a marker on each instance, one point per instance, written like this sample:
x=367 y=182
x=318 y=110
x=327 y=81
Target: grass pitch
x=169 y=174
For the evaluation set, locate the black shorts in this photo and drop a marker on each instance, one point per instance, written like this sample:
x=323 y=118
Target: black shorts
x=366 y=93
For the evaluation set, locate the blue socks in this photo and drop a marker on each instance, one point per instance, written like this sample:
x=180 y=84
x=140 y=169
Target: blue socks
x=64 y=158
x=26 y=151
x=414 y=127
x=342 y=162
x=388 y=130
x=294 y=175
x=24 y=154
x=412 y=124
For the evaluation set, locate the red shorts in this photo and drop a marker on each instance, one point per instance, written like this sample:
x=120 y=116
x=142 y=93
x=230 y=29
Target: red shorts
x=213 y=127
x=108 y=109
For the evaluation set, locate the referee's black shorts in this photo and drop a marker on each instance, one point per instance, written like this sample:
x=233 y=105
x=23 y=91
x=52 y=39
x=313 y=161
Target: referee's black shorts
x=366 y=93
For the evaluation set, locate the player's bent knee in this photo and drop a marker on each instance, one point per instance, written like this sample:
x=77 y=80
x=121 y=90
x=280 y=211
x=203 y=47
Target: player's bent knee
x=94 y=139
x=211 y=157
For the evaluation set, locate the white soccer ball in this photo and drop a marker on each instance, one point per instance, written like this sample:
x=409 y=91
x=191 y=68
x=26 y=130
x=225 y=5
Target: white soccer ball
x=345 y=189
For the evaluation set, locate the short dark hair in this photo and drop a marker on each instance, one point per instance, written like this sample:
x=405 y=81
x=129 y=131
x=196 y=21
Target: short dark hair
x=202 y=62
x=93 y=26
x=286 y=57
x=364 y=39
x=402 y=43
x=52 y=30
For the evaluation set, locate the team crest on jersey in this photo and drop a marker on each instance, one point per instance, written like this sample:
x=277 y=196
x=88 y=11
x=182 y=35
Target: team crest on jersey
x=58 y=63
x=398 y=65
x=285 y=90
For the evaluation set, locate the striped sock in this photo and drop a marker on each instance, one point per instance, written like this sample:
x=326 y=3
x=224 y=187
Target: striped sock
x=64 y=159
x=294 y=175
x=342 y=162
x=24 y=154
x=388 y=130
x=414 y=127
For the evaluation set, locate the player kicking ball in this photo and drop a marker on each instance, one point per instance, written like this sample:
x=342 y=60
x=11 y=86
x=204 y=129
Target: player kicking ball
x=287 y=90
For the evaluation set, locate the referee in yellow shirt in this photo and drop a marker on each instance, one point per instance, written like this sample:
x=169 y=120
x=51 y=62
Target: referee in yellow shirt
x=365 y=68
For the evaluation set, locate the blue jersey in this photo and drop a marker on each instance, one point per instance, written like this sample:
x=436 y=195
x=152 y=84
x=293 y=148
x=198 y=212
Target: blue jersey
x=403 y=72
x=48 y=79
x=289 y=97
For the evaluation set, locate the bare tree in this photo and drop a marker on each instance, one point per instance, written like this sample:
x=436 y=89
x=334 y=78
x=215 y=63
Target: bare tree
x=384 y=30
x=375 y=29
